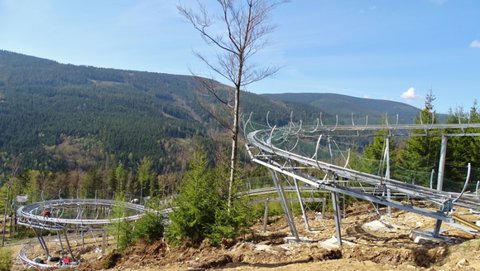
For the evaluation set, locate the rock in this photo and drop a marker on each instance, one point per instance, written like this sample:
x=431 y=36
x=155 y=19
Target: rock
x=238 y=246
x=462 y=263
x=286 y=247
x=261 y=247
x=410 y=267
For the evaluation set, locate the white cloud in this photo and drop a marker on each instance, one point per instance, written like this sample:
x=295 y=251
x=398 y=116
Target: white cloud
x=410 y=94
x=475 y=44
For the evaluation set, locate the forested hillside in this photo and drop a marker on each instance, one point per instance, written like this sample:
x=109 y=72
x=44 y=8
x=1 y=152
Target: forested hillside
x=344 y=106
x=61 y=116
x=46 y=105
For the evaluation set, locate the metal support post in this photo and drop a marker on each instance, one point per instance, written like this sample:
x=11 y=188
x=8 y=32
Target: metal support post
x=302 y=207
x=438 y=225
x=283 y=201
x=441 y=164
x=387 y=171
x=265 y=215
x=446 y=207
x=42 y=242
x=60 y=241
x=431 y=178
x=336 y=214
x=68 y=244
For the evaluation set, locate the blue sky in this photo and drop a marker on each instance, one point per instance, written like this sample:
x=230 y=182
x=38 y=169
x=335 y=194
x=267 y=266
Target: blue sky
x=396 y=50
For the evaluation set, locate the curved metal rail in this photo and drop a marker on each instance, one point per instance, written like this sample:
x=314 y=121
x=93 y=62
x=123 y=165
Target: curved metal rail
x=261 y=140
x=69 y=215
x=22 y=256
x=284 y=161
x=30 y=215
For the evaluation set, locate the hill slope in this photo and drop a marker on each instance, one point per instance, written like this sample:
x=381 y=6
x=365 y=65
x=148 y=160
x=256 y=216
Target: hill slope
x=62 y=116
x=65 y=116
x=344 y=106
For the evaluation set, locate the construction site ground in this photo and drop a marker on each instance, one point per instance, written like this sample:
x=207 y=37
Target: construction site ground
x=372 y=241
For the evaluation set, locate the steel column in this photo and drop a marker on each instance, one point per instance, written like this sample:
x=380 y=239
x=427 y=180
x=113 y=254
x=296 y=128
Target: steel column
x=336 y=214
x=288 y=214
x=68 y=244
x=387 y=171
x=441 y=163
x=302 y=207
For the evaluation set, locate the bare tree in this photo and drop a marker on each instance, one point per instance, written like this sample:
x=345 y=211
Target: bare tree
x=245 y=27
x=15 y=165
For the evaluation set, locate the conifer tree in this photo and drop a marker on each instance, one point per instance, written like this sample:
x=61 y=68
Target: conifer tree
x=120 y=228
x=202 y=210
x=120 y=178
x=195 y=206
x=462 y=150
x=145 y=176
x=420 y=154
x=32 y=188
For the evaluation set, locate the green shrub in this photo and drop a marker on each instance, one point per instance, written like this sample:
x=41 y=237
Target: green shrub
x=5 y=259
x=120 y=228
x=201 y=209
x=231 y=223
x=195 y=206
x=148 y=228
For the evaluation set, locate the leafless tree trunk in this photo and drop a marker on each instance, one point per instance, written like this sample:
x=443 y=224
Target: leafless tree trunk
x=245 y=27
x=15 y=166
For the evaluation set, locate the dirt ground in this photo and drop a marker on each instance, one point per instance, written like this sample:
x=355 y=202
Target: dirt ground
x=371 y=241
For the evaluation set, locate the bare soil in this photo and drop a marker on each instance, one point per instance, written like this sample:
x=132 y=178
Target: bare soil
x=371 y=242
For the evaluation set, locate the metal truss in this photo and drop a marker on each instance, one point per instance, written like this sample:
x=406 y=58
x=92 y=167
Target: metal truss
x=70 y=215
x=267 y=148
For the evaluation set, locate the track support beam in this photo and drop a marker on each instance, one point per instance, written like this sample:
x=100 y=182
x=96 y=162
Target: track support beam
x=283 y=201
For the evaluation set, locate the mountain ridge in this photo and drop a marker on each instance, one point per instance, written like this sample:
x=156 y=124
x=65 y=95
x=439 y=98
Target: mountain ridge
x=48 y=109
x=348 y=106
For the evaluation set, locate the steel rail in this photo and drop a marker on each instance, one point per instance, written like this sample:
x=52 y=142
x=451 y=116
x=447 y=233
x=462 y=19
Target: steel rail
x=29 y=215
x=428 y=127
x=261 y=140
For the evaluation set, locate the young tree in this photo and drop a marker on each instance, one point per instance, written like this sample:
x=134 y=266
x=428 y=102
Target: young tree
x=420 y=154
x=148 y=228
x=373 y=155
x=462 y=149
x=145 y=175
x=195 y=206
x=201 y=209
x=120 y=178
x=15 y=166
x=89 y=183
x=32 y=188
x=120 y=228
x=245 y=28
